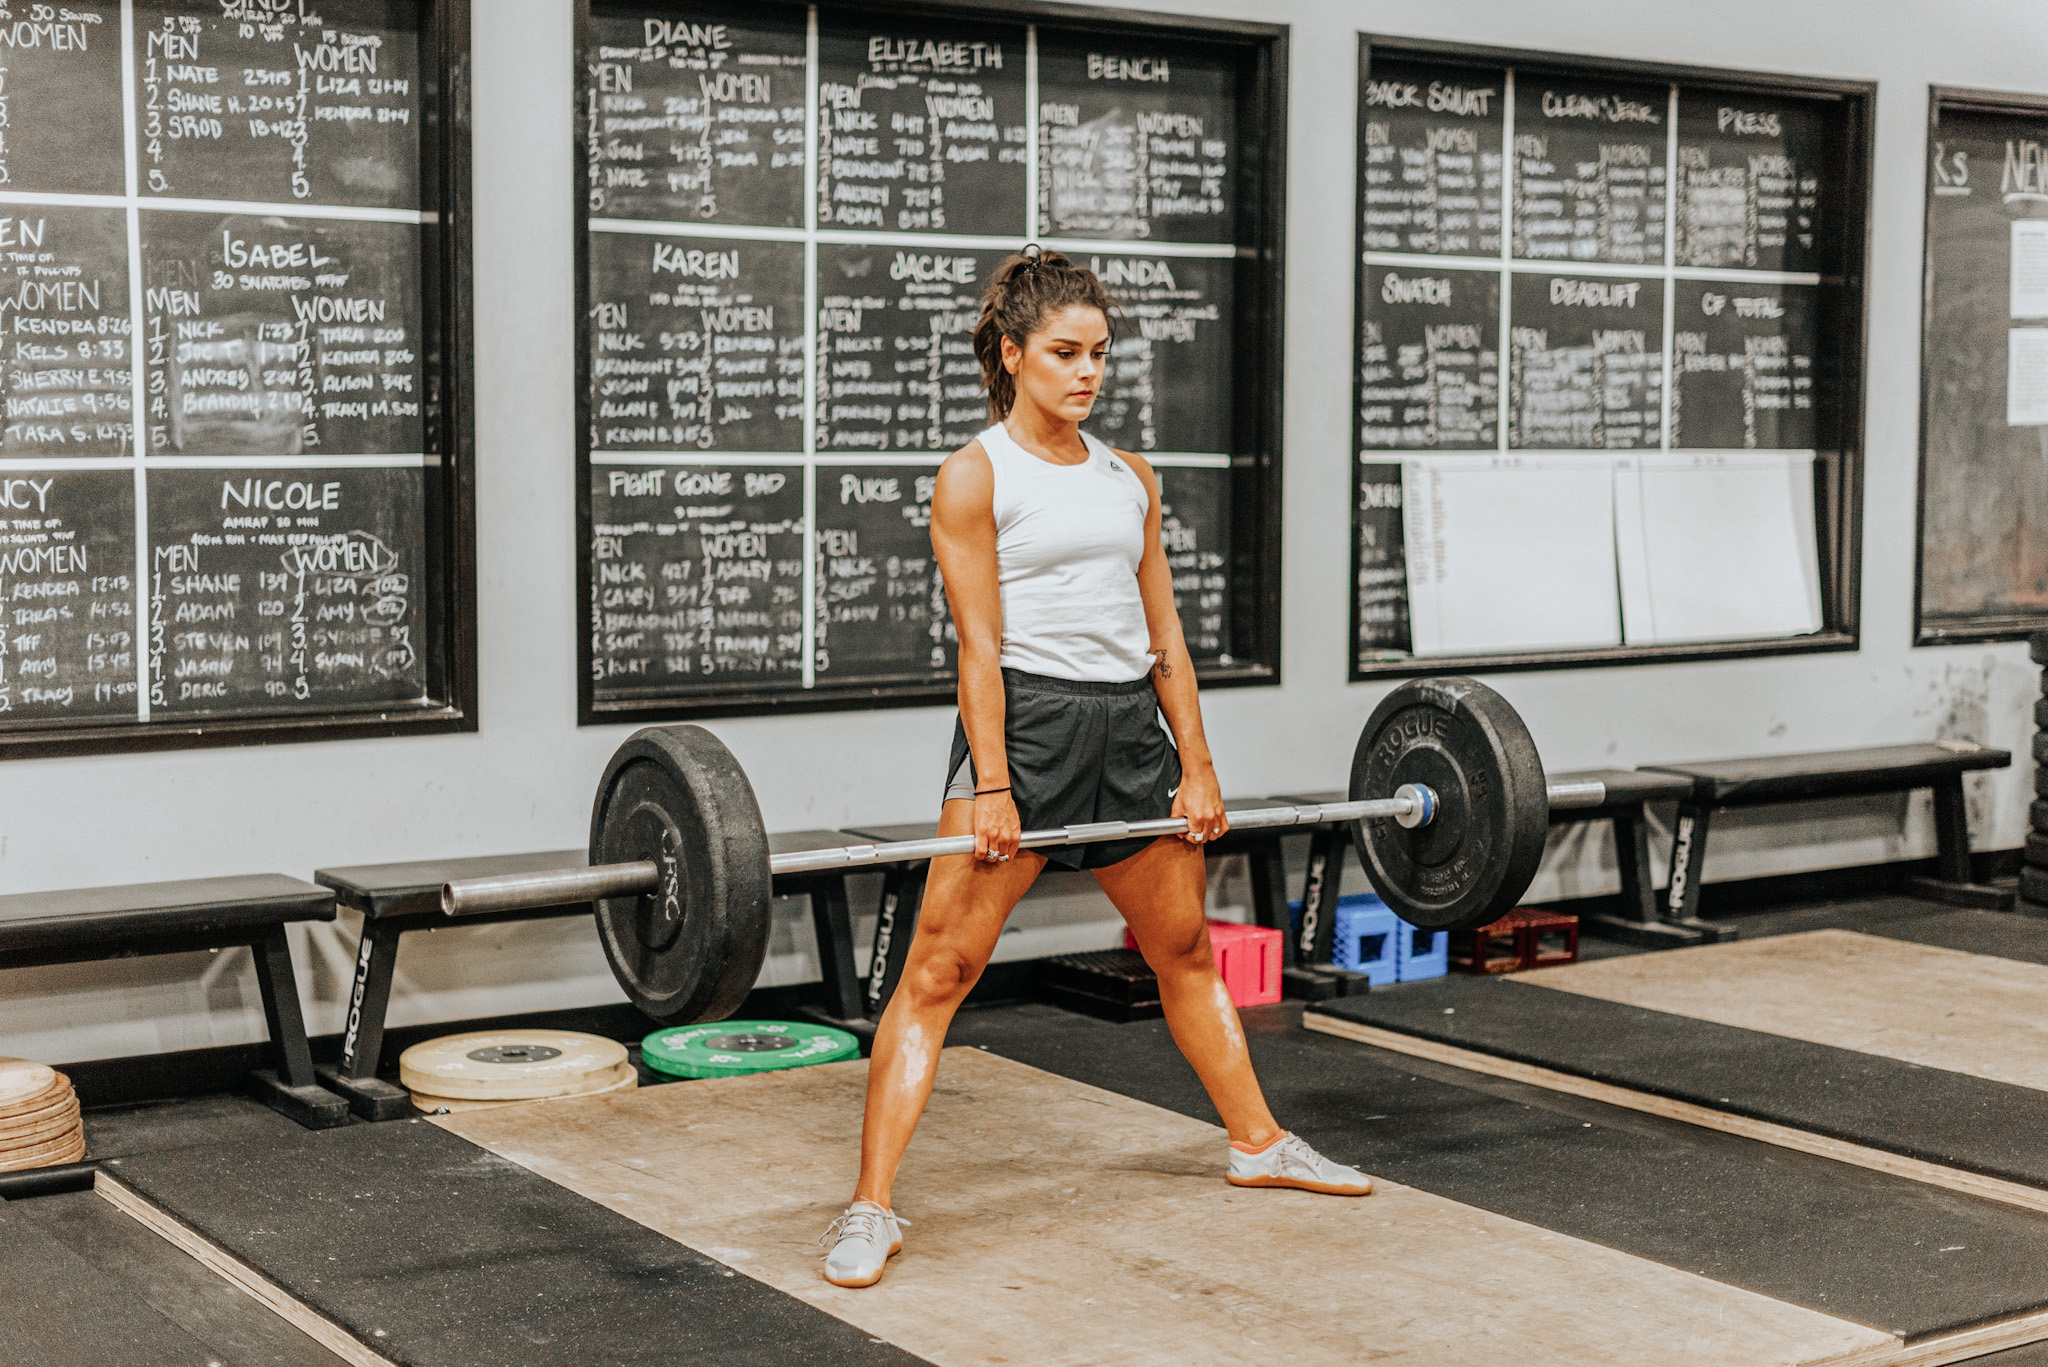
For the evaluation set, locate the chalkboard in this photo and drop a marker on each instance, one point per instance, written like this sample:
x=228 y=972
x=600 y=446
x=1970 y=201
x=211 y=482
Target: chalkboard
x=789 y=217
x=1984 y=365
x=896 y=347
x=1750 y=171
x=1380 y=591
x=274 y=335
x=697 y=121
x=1585 y=363
x=1430 y=159
x=67 y=368
x=699 y=345
x=259 y=103
x=1583 y=287
x=1589 y=170
x=1135 y=141
x=231 y=346
x=881 y=605
x=700 y=574
x=1195 y=515
x=922 y=125
x=283 y=586
x=1429 y=360
x=67 y=589
x=1743 y=366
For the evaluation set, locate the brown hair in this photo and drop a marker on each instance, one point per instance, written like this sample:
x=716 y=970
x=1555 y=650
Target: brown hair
x=1025 y=288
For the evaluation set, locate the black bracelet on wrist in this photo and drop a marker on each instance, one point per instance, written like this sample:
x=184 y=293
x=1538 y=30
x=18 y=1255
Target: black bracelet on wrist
x=985 y=792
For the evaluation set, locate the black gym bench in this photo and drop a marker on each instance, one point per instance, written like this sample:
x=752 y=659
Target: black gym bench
x=394 y=899
x=83 y=924
x=1771 y=779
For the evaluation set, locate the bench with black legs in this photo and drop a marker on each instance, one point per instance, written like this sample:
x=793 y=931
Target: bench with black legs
x=1772 y=779
x=1636 y=920
x=79 y=925
x=396 y=899
x=1628 y=790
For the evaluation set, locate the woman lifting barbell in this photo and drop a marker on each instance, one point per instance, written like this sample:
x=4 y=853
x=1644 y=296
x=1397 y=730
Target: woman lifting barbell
x=1070 y=653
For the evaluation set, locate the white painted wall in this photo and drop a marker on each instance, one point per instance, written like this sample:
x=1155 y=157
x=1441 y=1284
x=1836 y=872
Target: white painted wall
x=524 y=781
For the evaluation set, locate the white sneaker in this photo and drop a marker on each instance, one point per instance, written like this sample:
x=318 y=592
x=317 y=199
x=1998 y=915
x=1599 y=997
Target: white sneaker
x=866 y=1238
x=1290 y=1162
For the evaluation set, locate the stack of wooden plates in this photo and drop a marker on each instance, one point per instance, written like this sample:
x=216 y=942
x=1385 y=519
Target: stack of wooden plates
x=505 y=1067
x=39 y=1121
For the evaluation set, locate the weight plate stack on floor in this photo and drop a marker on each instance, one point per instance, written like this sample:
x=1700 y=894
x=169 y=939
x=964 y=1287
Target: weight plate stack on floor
x=39 y=1121
x=731 y=1048
x=2034 y=870
x=503 y=1067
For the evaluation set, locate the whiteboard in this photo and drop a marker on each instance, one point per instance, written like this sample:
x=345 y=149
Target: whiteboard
x=1510 y=553
x=1717 y=547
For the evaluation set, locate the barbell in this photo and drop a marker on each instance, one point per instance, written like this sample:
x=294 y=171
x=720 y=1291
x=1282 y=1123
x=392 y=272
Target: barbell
x=1449 y=808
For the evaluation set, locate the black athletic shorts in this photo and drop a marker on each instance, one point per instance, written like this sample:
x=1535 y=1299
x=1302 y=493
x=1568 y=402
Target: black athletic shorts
x=1079 y=752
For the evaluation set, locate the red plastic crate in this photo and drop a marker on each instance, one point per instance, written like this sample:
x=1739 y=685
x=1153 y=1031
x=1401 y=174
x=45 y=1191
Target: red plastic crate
x=1515 y=942
x=1248 y=957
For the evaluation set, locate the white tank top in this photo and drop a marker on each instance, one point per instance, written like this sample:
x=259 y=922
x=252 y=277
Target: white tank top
x=1068 y=542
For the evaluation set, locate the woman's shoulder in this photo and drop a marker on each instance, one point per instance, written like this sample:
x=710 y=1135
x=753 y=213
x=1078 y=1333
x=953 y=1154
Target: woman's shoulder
x=967 y=472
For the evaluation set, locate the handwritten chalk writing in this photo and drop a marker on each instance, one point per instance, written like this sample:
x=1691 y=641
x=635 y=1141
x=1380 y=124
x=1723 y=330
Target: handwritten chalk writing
x=684 y=34
x=1420 y=289
x=1749 y=123
x=2025 y=173
x=939 y=129
x=1428 y=381
x=1743 y=369
x=305 y=602
x=938 y=55
x=1114 y=68
x=1585 y=189
x=1585 y=382
x=1432 y=168
x=1594 y=293
x=1133 y=148
x=1610 y=108
x=1748 y=191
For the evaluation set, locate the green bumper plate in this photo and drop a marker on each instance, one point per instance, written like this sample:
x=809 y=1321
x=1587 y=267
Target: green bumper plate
x=730 y=1048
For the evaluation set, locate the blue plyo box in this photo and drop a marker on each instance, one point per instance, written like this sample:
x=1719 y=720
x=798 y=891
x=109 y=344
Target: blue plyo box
x=1422 y=954
x=1368 y=938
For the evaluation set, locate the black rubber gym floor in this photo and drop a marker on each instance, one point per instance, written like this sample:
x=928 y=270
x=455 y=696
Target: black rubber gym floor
x=89 y=1287
x=444 y=1255
x=1934 y=1114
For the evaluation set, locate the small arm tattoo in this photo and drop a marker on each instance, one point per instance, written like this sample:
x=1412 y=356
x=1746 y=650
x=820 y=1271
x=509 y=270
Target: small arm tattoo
x=1161 y=668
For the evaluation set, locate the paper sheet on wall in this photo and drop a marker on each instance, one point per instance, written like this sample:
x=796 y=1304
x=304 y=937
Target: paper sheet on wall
x=2026 y=377
x=2028 y=272
x=1510 y=555
x=1717 y=547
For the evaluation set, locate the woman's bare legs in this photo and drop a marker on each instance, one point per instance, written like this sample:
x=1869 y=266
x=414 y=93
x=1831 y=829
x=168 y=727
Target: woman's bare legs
x=966 y=902
x=1160 y=891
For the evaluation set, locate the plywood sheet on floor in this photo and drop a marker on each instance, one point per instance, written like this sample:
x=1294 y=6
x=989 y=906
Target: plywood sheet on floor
x=1941 y=1008
x=1056 y=1223
x=1901 y=1256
